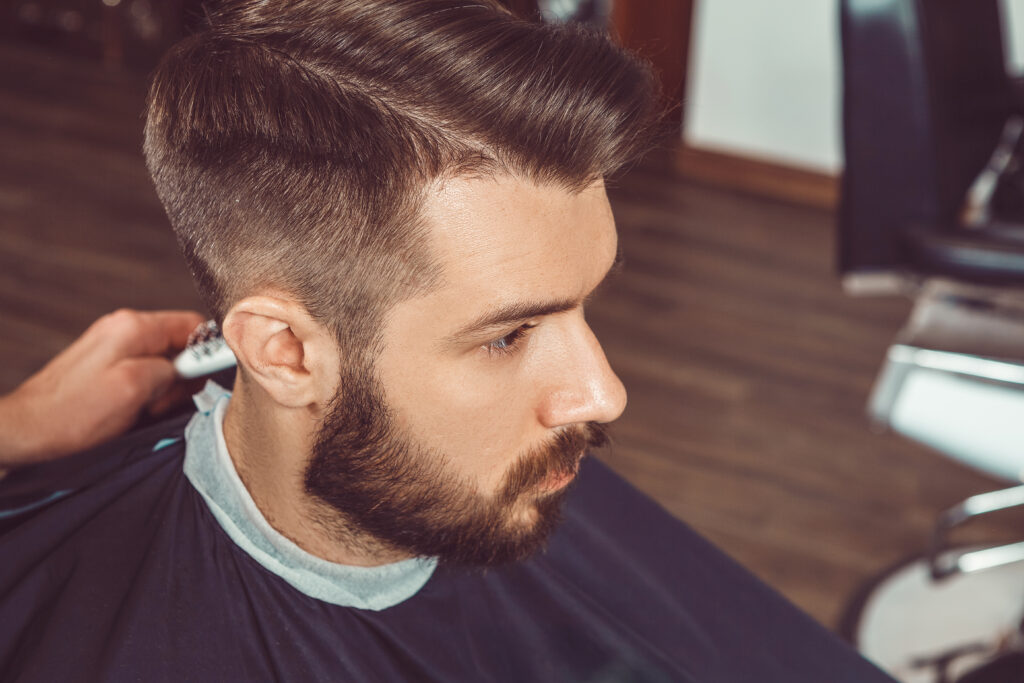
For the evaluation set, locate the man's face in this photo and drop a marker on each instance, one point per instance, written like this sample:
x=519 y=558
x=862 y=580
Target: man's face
x=461 y=439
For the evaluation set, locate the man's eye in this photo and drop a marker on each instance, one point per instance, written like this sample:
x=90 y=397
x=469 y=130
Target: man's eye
x=511 y=341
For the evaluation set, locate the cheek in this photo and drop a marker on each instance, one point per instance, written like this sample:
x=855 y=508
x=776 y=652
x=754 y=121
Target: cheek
x=481 y=416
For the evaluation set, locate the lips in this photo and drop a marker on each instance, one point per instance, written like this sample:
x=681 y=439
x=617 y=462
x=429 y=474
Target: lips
x=546 y=470
x=556 y=480
x=560 y=478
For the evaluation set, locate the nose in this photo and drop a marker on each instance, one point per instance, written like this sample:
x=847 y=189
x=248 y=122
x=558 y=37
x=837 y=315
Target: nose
x=586 y=389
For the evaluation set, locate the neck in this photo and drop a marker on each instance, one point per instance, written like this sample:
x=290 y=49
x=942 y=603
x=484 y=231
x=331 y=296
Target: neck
x=270 y=446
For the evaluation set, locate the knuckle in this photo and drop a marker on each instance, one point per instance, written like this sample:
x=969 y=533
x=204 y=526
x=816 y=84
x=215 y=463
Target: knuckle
x=123 y=322
x=130 y=388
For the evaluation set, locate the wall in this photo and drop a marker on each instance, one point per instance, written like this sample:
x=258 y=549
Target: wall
x=764 y=79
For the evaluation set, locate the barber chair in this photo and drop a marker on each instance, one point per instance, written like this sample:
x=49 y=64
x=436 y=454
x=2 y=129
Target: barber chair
x=933 y=207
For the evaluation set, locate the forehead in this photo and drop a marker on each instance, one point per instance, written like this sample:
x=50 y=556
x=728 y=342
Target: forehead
x=505 y=238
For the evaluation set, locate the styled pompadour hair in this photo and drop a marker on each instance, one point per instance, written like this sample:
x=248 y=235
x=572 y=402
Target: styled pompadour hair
x=291 y=141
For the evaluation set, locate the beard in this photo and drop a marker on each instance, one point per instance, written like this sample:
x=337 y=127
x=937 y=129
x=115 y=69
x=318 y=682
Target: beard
x=381 y=491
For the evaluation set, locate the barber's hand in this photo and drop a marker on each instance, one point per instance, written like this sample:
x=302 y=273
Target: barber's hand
x=96 y=388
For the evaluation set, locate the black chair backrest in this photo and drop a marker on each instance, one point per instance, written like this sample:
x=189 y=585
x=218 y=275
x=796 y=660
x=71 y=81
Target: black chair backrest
x=925 y=98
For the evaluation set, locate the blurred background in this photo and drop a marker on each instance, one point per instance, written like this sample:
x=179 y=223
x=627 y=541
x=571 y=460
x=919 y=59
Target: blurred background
x=752 y=320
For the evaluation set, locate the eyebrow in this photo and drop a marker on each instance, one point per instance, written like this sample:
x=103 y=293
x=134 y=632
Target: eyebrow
x=518 y=311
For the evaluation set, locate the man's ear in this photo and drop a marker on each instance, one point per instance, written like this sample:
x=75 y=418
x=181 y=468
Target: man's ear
x=291 y=356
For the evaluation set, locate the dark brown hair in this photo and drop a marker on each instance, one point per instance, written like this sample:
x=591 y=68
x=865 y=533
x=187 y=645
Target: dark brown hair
x=291 y=141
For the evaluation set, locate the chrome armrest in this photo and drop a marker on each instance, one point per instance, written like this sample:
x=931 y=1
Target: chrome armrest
x=944 y=563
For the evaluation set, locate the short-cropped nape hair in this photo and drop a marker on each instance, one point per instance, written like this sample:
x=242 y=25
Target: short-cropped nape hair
x=291 y=141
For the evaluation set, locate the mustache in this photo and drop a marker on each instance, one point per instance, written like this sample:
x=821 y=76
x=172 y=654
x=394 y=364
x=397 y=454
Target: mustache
x=560 y=456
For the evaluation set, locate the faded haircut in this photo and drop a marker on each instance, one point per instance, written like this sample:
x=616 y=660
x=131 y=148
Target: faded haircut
x=292 y=141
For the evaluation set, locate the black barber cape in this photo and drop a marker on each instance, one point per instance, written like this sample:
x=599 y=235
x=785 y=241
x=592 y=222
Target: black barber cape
x=112 y=568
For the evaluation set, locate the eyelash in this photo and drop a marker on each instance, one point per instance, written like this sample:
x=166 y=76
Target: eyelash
x=511 y=342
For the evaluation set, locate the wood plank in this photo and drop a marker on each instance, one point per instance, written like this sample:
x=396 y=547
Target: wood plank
x=757 y=176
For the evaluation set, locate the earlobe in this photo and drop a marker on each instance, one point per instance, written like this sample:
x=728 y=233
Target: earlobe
x=281 y=348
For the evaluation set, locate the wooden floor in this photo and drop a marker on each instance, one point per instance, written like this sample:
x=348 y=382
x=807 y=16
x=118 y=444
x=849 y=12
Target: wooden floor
x=748 y=369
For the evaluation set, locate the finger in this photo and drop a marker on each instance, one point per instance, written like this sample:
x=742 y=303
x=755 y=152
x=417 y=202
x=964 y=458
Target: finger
x=178 y=326
x=152 y=333
x=145 y=379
